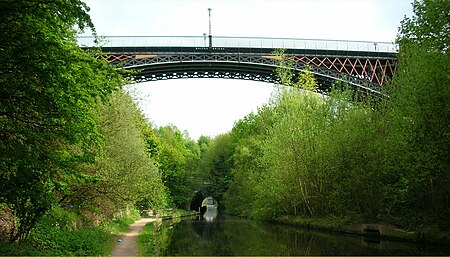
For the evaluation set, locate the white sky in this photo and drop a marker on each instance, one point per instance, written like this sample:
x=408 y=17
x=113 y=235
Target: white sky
x=210 y=106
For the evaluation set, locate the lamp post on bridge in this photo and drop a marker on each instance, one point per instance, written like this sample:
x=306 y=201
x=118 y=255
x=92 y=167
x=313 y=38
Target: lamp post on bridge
x=210 y=35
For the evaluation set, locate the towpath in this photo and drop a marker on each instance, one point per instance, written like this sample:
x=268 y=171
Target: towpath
x=128 y=245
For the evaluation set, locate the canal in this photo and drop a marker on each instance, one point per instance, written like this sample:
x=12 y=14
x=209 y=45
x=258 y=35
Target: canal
x=223 y=235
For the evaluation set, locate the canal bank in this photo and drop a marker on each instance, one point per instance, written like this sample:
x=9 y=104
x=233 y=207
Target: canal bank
x=370 y=230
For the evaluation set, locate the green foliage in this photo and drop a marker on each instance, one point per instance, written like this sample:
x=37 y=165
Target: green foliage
x=343 y=157
x=126 y=172
x=203 y=142
x=57 y=234
x=420 y=129
x=286 y=73
x=288 y=158
x=429 y=27
x=154 y=238
x=149 y=136
x=178 y=158
x=217 y=163
x=146 y=240
x=289 y=147
x=285 y=69
x=307 y=80
x=419 y=120
x=49 y=89
x=122 y=224
x=245 y=174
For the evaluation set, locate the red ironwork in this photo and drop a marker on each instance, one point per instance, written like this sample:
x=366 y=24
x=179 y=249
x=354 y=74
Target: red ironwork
x=374 y=70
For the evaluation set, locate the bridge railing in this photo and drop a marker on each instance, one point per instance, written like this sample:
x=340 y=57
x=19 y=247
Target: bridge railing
x=240 y=42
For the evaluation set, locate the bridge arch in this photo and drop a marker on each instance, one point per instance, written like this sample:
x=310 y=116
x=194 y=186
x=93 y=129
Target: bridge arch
x=256 y=69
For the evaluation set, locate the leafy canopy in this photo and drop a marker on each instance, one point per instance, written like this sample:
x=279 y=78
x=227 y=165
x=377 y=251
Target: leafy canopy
x=49 y=87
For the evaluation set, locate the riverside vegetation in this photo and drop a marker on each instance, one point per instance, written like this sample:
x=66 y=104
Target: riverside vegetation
x=76 y=152
x=343 y=158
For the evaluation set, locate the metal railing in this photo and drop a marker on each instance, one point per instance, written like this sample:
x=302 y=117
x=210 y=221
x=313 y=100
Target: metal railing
x=240 y=42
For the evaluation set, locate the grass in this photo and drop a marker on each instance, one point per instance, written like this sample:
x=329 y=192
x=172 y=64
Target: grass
x=146 y=240
x=182 y=213
x=51 y=238
x=329 y=223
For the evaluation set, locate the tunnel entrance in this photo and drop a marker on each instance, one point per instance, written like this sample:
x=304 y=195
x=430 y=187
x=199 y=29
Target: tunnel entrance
x=196 y=202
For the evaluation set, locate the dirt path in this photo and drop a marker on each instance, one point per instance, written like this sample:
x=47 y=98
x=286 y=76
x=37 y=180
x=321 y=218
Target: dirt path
x=128 y=245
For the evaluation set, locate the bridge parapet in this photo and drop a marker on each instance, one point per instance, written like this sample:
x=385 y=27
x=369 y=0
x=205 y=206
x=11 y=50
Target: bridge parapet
x=241 y=42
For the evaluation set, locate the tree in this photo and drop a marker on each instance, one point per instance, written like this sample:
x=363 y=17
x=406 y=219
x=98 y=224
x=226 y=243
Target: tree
x=285 y=69
x=419 y=117
x=203 y=142
x=247 y=136
x=305 y=154
x=429 y=28
x=49 y=87
x=217 y=163
x=178 y=160
x=307 y=80
x=125 y=172
x=290 y=153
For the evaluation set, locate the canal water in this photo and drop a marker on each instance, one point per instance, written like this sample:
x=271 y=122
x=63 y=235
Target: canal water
x=220 y=235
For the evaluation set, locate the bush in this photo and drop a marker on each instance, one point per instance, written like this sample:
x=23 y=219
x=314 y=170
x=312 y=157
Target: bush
x=57 y=234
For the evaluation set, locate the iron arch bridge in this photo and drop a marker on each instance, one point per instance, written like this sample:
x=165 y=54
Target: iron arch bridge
x=367 y=66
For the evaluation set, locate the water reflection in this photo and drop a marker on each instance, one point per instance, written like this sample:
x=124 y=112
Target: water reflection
x=211 y=213
x=212 y=234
